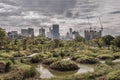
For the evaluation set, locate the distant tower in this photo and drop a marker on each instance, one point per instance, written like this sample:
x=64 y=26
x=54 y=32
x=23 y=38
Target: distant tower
x=55 y=31
x=70 y=30
x=42 y=32
x=90 y=28
x=30 y=32
x=71 y=33
x=24 y=32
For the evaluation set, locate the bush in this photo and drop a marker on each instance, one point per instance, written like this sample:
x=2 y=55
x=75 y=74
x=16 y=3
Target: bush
x=20 y=72
x=115 y=75
x=102 y=69
x=35 y=59
x=64 y=65
x=35 y=50
x=19 y=54
x=75 y=57
x=31 y=72
x=116 y=55
x=105 y=56
x=50 y=61
x=109 y=62
x=7 y=67
x=87 y=60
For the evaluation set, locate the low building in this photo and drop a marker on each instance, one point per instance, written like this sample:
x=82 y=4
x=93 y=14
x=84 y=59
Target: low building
x=12 y=34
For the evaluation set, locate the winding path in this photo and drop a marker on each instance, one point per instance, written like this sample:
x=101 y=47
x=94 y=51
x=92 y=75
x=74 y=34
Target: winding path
x=29 y=56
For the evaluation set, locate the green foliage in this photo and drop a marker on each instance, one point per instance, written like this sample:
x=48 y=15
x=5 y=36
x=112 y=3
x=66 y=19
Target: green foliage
x=64 y=66
x=116 y=41
x=50 y=61
x=7 y=67
x=35 y=59
x=115 y=75
x=107 y=39
x=102 y=69
x=20 y=72
x=87 y=60
x=99 y=42
x=79 y=38
x=105 y=57
x=31 y=72
x=116 y=55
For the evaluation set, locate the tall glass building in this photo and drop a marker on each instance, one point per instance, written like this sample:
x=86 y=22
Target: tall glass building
x=55 y=31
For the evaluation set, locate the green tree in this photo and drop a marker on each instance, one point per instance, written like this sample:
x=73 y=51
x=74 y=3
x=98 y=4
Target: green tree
x=79 y=38
x=57 y=43
x=2 y=38
x=99 y=42
x=24 y=44
x=116 y=42
x=107 y=40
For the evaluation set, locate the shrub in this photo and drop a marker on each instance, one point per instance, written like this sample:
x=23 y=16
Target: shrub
x=109 y=62
x=87 y=60
x=19 y=54
x=75 y=57
x=64 y=65
x=116 y=55
x=35 y=59
x=102 y=69
x=7 y=67
x=20 y=72
x=105 y=56
x=115 y=75
x=35 y=50
x=30 y=72
x=50 y=61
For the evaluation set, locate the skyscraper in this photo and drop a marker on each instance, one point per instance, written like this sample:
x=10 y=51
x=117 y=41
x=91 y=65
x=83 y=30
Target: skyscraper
x=24 y=32
x=92 y=34
x=42 y=32
x=27 y=32
x=30 y=32
x=55 y=31
x=49 y=34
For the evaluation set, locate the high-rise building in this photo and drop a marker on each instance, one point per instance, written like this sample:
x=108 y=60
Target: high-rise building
x=93 y=34
x=27 y=32
x=49 y=34
x=68 y=36
x=30 y=32
x=42 y=32
x=24 y=32
x=55 y=31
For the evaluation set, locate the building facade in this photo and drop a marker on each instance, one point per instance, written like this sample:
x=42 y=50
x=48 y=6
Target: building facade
x=42 y=32
x=27 y=32
x=55 y=31
x=92 y=34
x=12 y=34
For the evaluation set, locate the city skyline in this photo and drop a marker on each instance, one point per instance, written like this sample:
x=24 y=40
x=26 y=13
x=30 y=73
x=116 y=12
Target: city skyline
x=17 y=14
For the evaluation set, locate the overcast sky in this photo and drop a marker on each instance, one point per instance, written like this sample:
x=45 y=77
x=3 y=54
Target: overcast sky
x=17 y=14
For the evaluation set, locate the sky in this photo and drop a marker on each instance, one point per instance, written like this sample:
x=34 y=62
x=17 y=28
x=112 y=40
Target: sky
x=17 y=14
